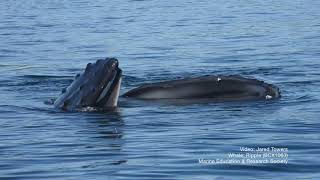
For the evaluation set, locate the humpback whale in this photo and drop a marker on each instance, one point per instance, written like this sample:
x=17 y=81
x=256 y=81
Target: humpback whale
x=211 y=88
x=99 y=85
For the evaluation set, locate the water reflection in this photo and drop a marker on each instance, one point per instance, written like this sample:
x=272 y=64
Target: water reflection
x=105 y=135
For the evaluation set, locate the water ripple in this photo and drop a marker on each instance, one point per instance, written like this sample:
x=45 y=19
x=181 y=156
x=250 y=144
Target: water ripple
x=43 y=45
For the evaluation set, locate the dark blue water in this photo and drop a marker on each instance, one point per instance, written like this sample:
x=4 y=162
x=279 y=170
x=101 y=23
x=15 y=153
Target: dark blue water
x=45 y=43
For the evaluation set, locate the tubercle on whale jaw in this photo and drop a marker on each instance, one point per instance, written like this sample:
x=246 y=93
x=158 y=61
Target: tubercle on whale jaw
x=65 y=105
x=78 y=75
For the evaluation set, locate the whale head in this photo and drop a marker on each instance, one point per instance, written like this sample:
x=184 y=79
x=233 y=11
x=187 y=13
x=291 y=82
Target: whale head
x=98 y=86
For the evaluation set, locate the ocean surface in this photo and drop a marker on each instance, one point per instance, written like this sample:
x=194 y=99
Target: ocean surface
x=43 y=44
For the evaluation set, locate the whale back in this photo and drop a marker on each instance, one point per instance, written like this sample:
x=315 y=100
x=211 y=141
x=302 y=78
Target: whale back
x=218 y=88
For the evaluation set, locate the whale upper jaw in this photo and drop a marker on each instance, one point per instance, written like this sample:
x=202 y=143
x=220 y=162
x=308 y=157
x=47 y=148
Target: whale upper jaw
x=98 y=86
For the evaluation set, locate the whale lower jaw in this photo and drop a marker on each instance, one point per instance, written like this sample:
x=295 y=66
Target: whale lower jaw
x=113 y=99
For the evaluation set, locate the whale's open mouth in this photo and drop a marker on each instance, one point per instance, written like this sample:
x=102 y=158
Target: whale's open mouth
x=98 y=86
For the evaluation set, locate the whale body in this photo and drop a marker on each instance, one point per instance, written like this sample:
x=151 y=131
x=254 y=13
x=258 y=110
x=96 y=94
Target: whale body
x=99 y=86
x=215 y=88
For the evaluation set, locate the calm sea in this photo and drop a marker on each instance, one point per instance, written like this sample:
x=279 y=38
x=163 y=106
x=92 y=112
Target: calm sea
x=43 y=44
